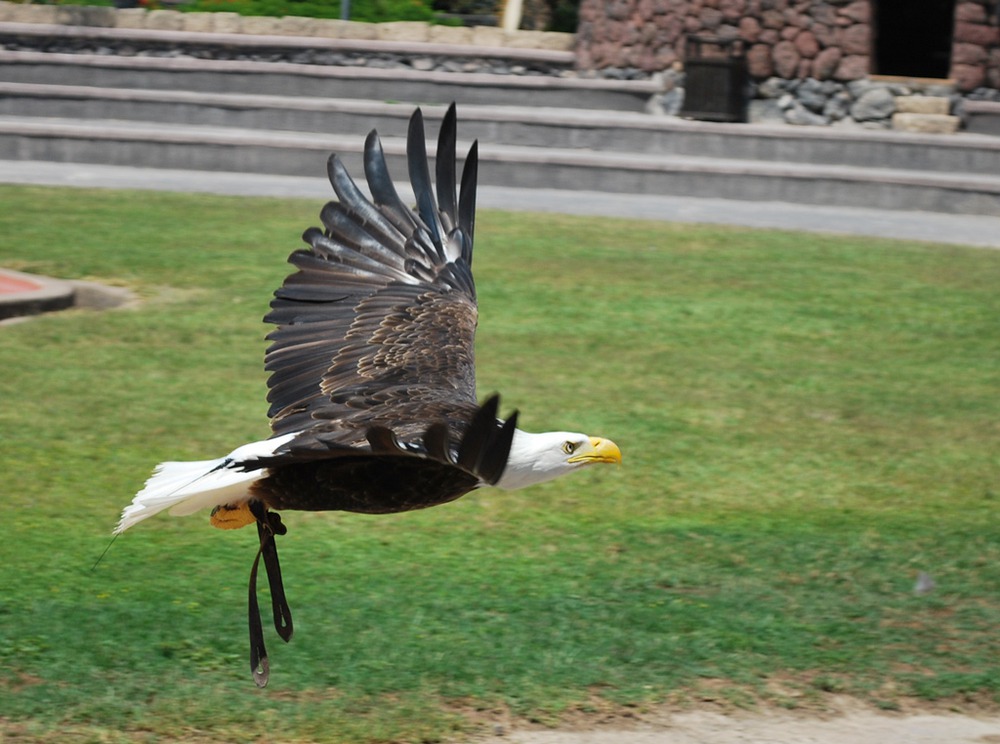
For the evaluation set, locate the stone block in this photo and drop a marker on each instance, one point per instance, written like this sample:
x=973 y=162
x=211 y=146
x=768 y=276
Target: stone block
x=786 y=59
x=326 y=28
x=294 y=26
x=769 y=36
x=556 y=41
x=733 y=10
x=450 y=34
x=33 y=14
x=826 y=62
x=977 y=33
x=85 y=15
x=968 y=77
x=806 y=44
x=710 y=18
x=852 y=67
x=489 y=36
x=165 y=20
x=772 y=19
x=858 y=11
x=968 y=54
x=922 y=105
x=227 y=23
x=199 y=23
x=749 y=29
x=838 y=106
x=525 y=39
x=130 y=18
x=925 y=123
x=759 y=61
x=854 y=39
x=358 y=30
x=876 y=103
x=258 y=25
x=970 y=12
x=825 y=35
x=823 y=13
x=402 y=31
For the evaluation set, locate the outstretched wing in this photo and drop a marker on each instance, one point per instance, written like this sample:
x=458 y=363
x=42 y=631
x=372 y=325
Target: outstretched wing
x=376 y=327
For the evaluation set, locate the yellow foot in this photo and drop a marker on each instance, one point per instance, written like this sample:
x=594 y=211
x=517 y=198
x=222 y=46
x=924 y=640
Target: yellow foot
x=232 y=516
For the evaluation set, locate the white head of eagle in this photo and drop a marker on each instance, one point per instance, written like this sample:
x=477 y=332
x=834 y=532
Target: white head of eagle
x=372 y=385
x=536 y=458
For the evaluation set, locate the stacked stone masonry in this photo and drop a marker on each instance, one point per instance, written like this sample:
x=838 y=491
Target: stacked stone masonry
x=233 y=23
x=787 y=39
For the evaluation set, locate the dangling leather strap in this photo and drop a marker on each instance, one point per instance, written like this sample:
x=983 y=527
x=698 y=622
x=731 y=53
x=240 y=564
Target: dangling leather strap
x=259 y=667
x=268 y=525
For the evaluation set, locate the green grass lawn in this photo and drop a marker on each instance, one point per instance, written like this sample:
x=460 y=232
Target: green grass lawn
x=807 y=422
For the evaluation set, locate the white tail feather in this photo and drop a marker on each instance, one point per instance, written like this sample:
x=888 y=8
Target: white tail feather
x=187 y=487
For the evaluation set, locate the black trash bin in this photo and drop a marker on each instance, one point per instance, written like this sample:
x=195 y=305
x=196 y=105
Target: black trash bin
x=716 y=79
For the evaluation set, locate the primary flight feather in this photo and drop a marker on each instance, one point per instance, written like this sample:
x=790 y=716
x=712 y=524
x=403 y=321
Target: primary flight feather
x=372 y=385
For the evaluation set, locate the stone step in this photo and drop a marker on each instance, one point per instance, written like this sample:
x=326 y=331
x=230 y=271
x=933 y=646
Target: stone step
x=297 y=153
x=322 y=81
x=544 y=127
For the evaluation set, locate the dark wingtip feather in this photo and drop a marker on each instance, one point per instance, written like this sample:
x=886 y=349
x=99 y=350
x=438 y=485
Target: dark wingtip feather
x=445 y=166
x=494 y=461
x=478 y=435
x=467 y=199
x=377 y=172
x=420 y=176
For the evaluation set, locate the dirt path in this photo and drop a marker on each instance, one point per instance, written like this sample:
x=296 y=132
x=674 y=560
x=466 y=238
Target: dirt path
x=854 y=727
x=715 y=728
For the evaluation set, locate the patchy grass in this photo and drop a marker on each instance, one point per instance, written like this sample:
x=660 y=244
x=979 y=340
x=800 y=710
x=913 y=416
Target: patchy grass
x=807 y=423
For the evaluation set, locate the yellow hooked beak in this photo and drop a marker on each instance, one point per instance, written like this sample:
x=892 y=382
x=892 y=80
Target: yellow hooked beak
x=599 y=450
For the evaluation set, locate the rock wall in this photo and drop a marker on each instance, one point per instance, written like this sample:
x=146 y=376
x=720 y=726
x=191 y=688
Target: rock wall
x=232 y=23
x=975 y=53
x=784 y=38
x=787 y=39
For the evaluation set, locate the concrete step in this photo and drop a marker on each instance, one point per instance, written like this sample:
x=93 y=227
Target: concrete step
x=545 y=127
x=322 y=81
x=983 y=117
x=297 y=153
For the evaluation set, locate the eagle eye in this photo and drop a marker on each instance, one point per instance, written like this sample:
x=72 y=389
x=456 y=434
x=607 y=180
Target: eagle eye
x=569 y=447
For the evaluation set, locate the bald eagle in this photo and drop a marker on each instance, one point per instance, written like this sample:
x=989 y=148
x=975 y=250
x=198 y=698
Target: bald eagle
x=372 y=385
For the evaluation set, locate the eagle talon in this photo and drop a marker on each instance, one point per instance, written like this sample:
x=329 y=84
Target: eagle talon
x=232 y=516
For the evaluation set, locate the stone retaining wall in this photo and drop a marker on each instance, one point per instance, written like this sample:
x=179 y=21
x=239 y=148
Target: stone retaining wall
x=233 y=23
x=809 y=59
x=788 y=39
x=311 y=50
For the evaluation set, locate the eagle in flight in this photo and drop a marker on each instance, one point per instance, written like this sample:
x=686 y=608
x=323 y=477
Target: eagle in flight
x=372 y=385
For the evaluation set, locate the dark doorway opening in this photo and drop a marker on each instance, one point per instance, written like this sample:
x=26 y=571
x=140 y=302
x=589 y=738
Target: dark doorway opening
x=913 y=37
